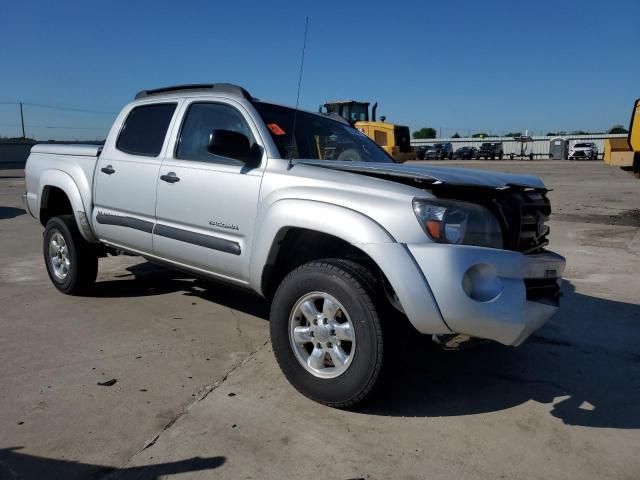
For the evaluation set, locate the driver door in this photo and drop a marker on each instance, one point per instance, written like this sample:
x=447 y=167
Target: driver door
x=207 y=203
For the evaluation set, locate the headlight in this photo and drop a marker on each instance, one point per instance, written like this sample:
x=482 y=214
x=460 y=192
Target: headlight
x=456 y=222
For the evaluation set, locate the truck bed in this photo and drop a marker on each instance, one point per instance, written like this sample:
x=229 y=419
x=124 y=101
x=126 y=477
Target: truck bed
x=61 y=164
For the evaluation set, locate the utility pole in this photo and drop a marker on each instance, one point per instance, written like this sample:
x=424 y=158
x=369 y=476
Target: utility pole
x=22 y=120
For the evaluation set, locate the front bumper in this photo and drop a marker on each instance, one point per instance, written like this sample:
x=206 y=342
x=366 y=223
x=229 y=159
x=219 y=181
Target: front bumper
x=582 y=154
x=499 y=295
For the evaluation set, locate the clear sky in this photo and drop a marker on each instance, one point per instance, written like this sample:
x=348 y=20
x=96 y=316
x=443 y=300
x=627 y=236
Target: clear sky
x=467 y=65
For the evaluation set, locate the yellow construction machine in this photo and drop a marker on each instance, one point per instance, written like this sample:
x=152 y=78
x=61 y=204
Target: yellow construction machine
x=394 y=139
x=625 y=152
x=634 y=137
x=617 y=152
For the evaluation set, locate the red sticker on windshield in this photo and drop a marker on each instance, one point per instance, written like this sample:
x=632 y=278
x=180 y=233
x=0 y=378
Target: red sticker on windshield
x=275 y=129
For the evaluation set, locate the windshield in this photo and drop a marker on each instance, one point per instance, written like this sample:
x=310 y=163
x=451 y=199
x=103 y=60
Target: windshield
x=317 y=137
x=583 y=145
x=359 y=113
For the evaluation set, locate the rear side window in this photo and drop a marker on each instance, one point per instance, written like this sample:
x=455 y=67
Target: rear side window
x=145 y=128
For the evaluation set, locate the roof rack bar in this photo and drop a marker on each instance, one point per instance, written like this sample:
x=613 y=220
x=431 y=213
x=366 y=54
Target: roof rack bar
x=201 y=87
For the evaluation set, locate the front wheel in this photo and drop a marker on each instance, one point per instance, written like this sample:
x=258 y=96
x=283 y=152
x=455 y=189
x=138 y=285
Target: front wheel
x=326 y=333
x=71 y=263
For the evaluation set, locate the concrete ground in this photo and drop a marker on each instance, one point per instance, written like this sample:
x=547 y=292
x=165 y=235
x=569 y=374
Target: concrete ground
x=198 y=392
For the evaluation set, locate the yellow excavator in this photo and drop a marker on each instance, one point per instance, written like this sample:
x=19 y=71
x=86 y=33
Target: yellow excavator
x=394 y=139
x=625 y=152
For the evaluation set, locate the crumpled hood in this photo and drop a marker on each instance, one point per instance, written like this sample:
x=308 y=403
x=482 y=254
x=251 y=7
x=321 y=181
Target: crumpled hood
x=448 y=175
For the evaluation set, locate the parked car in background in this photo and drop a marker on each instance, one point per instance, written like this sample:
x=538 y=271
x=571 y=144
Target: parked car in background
x=583 y=150
x=466 y=153
x=439 y=151
x=491 y=151
x=420 y=151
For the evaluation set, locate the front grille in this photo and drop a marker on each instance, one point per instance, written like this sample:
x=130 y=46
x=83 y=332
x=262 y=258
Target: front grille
x=579 y=153
x=524 y=214
x=544 y=290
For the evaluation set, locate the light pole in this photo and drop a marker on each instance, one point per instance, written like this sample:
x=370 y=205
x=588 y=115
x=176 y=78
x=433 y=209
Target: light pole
x=22 y=121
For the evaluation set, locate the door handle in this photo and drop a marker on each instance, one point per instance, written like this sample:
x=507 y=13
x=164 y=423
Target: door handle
x=108 y=170
x=170 y=178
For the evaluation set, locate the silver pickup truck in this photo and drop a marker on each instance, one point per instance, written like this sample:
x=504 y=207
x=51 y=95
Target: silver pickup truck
x=310 y=213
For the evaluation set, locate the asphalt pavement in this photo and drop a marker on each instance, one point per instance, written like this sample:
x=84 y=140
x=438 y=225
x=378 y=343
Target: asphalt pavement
x=156 y=374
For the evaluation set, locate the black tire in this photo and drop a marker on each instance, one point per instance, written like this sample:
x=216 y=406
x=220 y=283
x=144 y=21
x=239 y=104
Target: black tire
x=355 y=287
x=83 y=268
x=636 y=164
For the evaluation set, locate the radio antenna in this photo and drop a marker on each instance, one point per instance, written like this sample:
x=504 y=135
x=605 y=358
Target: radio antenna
x=295 y=113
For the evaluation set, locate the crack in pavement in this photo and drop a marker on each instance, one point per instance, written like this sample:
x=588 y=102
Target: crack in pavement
x=237 y=317
x=200 y=396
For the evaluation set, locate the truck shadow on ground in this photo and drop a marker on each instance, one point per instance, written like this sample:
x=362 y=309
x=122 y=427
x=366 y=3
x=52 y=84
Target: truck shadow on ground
x=10 y=212
x=16 y=464
x=585 y=363
x=146 y=279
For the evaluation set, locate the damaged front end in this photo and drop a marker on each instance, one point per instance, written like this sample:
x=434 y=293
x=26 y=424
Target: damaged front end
x=501 y=290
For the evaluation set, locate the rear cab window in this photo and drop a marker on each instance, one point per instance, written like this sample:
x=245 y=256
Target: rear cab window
x=145 y=129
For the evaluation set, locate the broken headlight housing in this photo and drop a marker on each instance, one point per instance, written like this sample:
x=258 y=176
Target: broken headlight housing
x=458 y=223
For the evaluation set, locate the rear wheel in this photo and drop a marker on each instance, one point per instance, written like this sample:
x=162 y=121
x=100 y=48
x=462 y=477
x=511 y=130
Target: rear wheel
x=71 y=263
x=326 y=333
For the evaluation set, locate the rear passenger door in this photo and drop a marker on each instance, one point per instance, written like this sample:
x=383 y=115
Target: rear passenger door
x=207 y=203
x=126 y=177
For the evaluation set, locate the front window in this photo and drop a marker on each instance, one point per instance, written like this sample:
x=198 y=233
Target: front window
x=582 y=145
x=200 y=121
x=317 y=137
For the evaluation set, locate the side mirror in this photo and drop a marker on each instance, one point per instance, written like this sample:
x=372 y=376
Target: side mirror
x=231 y=144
